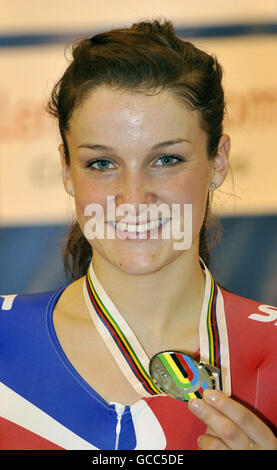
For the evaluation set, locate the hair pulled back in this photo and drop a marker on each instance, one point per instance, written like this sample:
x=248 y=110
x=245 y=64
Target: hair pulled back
x=147 y=57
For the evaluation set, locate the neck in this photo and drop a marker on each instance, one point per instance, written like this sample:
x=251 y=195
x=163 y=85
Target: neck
x=157 y=301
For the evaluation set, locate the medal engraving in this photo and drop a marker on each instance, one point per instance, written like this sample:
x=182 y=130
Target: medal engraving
x=182 y=376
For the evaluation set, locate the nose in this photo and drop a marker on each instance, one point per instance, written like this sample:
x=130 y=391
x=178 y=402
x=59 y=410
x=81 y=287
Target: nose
x=134 y=190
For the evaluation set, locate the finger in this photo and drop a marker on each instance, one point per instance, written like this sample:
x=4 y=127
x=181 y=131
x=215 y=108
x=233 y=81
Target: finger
x=208 y=442
x=211 y=441
x=210 y=432
x=228 y=432
x=246 y=420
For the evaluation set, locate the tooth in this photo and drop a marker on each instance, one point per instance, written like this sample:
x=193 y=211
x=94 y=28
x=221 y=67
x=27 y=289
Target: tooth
x=123 y=227
x=131 y=228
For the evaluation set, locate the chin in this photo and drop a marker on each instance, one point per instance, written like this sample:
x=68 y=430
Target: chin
x=136 y=270
x=137 y=260
x=143 y=265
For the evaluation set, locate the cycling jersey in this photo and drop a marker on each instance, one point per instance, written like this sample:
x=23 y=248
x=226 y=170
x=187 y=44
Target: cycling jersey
x=46 y=404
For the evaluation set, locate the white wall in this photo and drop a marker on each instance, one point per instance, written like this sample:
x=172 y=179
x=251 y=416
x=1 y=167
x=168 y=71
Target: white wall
x=30 y=185
x=36 y=15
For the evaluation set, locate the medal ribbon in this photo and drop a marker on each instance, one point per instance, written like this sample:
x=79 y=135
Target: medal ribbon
x=120 y=339
x=212 y=330
x=128 y=352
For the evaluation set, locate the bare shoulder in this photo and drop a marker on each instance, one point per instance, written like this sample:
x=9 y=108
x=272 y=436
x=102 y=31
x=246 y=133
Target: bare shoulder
x=71 y=303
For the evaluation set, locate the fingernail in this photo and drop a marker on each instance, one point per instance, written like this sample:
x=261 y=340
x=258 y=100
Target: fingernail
x=211 y=395
x=195 y=405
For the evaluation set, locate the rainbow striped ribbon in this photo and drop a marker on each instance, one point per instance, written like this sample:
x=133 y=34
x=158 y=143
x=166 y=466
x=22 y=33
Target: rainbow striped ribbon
x=212 y=330
x=128 y=353
x=120 y=339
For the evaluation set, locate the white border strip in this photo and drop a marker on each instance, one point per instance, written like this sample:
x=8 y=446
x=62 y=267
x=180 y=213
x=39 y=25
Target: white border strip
x=18 y=410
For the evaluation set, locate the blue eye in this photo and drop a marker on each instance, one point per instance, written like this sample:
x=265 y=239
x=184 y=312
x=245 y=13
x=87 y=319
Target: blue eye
x=167 y=160
x=100 y=164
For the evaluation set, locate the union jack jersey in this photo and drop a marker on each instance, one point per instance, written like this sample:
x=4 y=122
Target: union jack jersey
x=45 y=404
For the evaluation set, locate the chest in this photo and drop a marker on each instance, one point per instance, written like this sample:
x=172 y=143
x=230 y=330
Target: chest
x=89 y=355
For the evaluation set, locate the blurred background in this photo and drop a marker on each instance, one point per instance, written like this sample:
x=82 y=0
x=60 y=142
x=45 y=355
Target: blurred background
x=35 y=212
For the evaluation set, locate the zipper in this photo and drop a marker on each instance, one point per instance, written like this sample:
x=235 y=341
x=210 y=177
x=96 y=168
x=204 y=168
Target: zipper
x=119 y=408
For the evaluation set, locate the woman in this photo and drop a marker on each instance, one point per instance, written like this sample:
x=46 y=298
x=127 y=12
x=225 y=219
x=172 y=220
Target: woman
x=140 y=114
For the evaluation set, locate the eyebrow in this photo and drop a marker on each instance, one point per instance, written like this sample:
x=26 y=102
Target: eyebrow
x=155 y=147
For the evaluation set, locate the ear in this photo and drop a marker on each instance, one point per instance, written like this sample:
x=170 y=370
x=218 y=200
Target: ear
x=67 y=182
x=220 y=161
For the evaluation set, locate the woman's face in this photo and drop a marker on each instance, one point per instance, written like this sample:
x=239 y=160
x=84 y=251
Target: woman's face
x=116 y=146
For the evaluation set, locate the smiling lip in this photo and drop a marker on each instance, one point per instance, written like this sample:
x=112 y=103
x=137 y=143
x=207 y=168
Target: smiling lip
x=137 y=221
x=133 y=231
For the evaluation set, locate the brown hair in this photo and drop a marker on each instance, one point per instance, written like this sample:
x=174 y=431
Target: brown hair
x=147 y=57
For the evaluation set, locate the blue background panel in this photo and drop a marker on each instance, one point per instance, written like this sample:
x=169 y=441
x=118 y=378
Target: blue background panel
x=245 y=260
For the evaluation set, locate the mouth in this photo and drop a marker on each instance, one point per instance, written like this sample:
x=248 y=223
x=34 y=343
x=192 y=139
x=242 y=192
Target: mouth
x=138 y=231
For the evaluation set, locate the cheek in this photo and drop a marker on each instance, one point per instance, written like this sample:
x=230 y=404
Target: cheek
x=188 y=189
x=191 y=189
x=89 y=192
